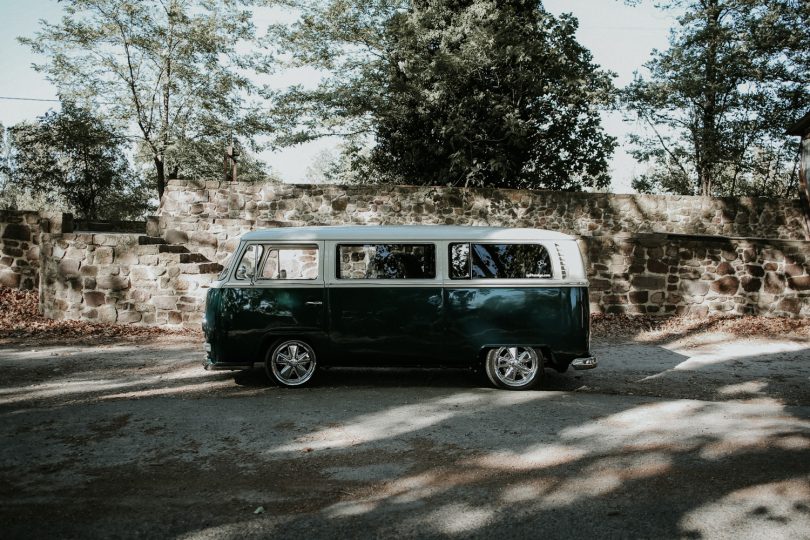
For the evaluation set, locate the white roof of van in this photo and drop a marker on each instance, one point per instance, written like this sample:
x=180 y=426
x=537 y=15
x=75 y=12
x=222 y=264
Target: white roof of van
x=403 y=233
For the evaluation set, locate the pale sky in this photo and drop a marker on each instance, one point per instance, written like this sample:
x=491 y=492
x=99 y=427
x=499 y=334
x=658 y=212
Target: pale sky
x=619 y=37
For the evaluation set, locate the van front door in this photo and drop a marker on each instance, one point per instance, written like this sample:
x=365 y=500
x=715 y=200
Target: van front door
x=284 y=298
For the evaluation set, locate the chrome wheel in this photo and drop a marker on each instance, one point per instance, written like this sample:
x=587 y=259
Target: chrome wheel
x=291 y=363
x=515 y=368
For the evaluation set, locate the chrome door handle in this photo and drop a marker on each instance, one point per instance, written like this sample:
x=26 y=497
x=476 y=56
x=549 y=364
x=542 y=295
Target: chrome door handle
x=314 y=303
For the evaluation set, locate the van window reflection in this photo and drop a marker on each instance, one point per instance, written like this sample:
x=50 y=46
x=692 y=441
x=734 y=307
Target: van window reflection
x=247 y=265
x=386 y=261
x=499 y=261
x=290 y=263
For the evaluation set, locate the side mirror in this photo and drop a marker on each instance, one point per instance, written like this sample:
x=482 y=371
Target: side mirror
x=241 y=272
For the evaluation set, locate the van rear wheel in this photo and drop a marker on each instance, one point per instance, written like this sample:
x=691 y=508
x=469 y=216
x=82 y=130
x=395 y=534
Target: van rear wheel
x=514 y=368
x=291 y=363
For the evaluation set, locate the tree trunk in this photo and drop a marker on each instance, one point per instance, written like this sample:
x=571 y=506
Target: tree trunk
x=161 y=176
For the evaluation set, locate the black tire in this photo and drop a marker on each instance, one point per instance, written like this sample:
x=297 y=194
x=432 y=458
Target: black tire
x=291 y=363
x=514 y=368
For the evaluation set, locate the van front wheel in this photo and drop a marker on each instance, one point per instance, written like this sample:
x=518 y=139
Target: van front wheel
x=514 y=368
x=291 y=363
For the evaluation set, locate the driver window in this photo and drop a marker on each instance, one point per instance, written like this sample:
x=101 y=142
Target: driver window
x=290 y=263
x=247 y=266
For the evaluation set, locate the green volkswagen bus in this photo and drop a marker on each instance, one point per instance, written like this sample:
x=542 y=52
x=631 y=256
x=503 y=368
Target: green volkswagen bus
x=510 y=302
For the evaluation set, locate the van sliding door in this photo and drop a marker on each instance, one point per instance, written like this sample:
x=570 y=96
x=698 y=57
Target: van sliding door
x=386 y=304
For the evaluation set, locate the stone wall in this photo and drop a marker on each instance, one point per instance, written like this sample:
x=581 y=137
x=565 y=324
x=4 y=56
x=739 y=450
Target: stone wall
x=19 y=248
x=664 y=274
x=123 y=278
x=211 y=215
x=646 y=254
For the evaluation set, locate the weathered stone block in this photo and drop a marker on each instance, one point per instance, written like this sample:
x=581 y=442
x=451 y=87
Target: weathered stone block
x=128 y=317
x=139 y=295
x=68 y=268
x=799 y=283
x=112 y=282
x=639 y=297
x=107 y=313
x=94 y=298
x=657 y=267
x=751 y=284
x=9 y=278
x=789 y=305
x=749 y=255
x=793 y=270
x=164 y=302
x=648 y=283
x=755 y=270
x=774 y=283
x=126 y=255
x=174 y=236
x=726 y=285
x=175 y=317
x=694 y=288
x=17 y=231
x=724 y=269
x=204 y=239
x=103 y=255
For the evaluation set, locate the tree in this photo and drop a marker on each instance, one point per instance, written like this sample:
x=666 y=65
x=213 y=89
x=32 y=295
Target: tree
x=75 y=160
x=202 y=159
x=173 y=70
x=460 y=92
x=716 y=103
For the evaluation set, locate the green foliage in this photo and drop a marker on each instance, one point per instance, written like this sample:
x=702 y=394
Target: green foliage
x=476 y=92
x=715 y=105
x=73 y=160
x=202 y=159
x=172 y=70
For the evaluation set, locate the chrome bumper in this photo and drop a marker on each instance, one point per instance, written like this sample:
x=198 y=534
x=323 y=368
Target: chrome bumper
x=588 y=362
x=210 y=366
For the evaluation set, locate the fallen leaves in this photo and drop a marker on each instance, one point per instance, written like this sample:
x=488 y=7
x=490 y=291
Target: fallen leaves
x=20 y=318
x=623 y=326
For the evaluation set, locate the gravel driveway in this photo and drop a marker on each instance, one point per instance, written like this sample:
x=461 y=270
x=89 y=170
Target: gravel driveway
x=702 y=437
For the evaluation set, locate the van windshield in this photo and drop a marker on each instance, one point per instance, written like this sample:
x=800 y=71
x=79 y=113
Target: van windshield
x=226 y=267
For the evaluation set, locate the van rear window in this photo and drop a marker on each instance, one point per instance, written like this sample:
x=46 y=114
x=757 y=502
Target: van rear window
x=499 y=261
x=386 y=261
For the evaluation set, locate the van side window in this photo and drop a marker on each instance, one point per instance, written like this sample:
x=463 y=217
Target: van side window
x=386 y=261
x=499 y=261
x=459 y=261
x=290 y=263
x=247 y=266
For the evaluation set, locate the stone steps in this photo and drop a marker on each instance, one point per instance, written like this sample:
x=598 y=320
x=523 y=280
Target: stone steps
x=172 y=248
x=193 y=258
x=150 y=240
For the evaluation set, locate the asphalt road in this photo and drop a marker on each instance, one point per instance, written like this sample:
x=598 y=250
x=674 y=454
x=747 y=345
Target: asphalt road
x=704 y=438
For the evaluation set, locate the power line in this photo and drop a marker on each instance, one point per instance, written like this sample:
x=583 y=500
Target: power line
x=28 y=99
